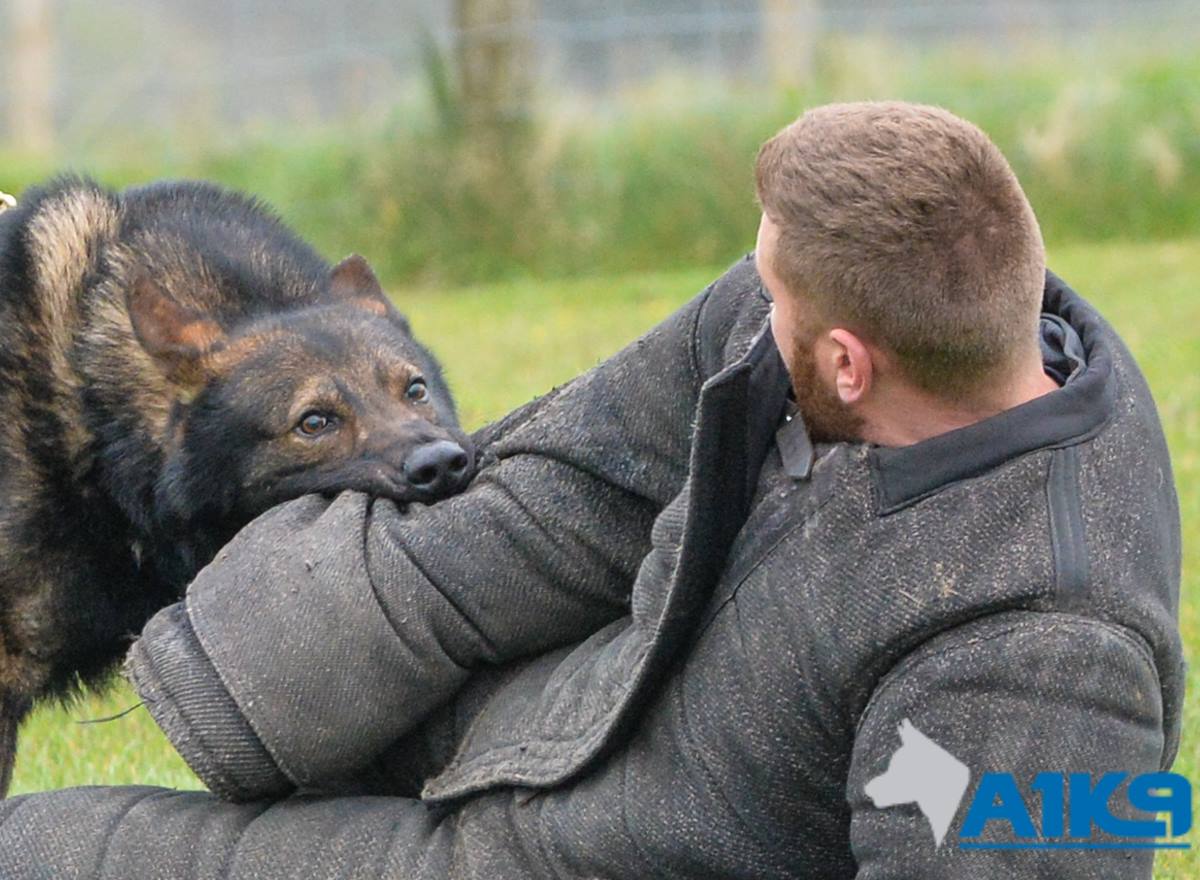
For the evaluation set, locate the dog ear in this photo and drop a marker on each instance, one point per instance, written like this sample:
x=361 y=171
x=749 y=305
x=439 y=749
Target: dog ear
x=175 y=337
x=352 y=281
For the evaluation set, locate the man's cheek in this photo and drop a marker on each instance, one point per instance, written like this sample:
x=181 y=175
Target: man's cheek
x=783 y=340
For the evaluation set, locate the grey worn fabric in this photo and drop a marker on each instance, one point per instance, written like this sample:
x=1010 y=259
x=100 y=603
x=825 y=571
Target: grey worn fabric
x=663 y=635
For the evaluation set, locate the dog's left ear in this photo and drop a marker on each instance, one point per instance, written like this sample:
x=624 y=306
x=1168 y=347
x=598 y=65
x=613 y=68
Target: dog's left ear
x=174 y=336
x=352 y=281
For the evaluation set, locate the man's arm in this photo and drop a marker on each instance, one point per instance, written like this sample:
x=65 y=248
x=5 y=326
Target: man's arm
x=1019 y=693
x=327 y=630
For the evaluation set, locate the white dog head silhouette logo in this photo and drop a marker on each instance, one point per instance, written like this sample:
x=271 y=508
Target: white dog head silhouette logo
x=921 y=771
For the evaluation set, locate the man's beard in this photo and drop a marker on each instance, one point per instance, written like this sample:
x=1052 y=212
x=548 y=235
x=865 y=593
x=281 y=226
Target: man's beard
x=827 y=419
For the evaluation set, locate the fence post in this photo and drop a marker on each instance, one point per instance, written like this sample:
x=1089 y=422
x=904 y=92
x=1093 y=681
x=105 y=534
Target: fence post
x=789 y=35
x=495 y=63
x=30 y=53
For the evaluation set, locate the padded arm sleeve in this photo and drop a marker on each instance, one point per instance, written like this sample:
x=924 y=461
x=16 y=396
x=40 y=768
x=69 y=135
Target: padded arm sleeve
x=331 y=628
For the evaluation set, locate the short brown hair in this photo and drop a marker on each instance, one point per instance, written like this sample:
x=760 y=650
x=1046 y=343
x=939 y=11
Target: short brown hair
x=907 y=224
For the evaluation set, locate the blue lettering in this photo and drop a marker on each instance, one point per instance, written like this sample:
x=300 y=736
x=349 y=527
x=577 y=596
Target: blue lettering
x=1089 y=805
x=998 y=800
x=1164 y=793
x=1052 y=787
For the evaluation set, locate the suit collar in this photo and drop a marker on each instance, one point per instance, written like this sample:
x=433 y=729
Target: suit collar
x=1076 y=350
x=1077 y=345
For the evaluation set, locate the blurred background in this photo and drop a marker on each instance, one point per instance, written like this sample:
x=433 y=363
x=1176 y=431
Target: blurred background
x=539 y=181
x=464 y=140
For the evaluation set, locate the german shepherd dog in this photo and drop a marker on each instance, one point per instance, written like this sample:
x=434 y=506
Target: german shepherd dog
x=174 y=362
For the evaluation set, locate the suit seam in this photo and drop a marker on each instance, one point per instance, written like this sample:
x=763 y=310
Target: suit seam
x=217 y=777
x=762 y=560
x=539 y=845
x=224 y=676
x=642 y=855
x=886 y=507
x=383 y=608
x=1068 y=541
x=112 y=830
x=518 y=452
x=921 y=653
x=230 y=858
x=770 y=843
x=579 y=539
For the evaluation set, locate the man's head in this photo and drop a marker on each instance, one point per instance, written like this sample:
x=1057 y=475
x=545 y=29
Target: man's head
x=904 y=260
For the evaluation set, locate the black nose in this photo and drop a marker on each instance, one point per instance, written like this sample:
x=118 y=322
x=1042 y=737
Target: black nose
x=437 y=468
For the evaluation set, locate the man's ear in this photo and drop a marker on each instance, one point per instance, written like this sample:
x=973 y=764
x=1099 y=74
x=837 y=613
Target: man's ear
x=353 y=282
x=175 y=337
x=854 y=365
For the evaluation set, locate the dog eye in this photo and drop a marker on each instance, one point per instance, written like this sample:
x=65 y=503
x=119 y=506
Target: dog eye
x=418 y=391
x=313 y=423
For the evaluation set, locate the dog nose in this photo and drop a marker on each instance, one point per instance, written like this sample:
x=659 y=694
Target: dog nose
x=437 y=468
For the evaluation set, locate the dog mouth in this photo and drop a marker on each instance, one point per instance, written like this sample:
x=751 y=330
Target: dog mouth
x=436 y=474
x=395 y=486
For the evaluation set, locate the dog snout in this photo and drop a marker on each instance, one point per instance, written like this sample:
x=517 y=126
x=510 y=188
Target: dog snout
x=438 y=468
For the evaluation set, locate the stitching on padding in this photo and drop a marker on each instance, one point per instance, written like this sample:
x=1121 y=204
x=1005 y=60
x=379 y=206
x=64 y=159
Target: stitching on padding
x=923 y=653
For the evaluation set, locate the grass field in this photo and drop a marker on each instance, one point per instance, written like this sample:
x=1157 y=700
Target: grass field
x=505 y=343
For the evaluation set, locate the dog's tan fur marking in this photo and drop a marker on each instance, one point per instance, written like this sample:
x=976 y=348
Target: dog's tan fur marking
x=64 y=239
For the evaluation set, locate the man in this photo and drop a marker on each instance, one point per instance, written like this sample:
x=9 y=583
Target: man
x=681 y=623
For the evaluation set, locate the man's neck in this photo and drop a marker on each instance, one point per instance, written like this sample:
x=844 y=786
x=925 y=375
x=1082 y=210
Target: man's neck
x=914 y=415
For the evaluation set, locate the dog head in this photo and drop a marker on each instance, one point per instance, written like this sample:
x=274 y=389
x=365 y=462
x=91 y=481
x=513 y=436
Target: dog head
x=324 y=397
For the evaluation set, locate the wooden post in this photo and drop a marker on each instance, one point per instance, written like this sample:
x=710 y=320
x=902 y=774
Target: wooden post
x=789 y=35
x=29 y=50
x=495 y=63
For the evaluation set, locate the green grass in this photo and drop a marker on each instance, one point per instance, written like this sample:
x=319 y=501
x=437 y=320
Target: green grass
x=505 y=343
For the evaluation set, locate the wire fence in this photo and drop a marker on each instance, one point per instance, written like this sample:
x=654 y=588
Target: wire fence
x=77 y=70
